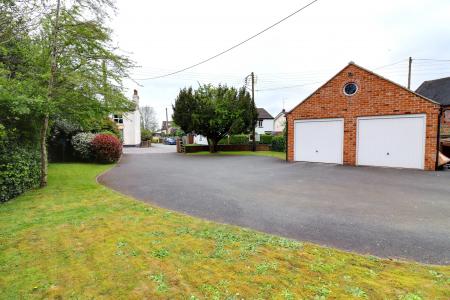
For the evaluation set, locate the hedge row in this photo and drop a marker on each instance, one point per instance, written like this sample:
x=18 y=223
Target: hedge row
x=265 y=139
x=243 y=139
x=237 y=139
x=279 y=143
x=19 y=169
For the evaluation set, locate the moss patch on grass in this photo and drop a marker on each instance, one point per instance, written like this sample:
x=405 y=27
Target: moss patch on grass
x=279 y=155
x=78 y=239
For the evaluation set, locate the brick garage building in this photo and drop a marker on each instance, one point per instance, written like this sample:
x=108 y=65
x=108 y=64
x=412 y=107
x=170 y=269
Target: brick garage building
x=360 y=118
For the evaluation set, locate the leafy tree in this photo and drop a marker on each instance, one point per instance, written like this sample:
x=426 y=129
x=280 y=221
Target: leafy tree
x=186 y=109
x=82 y=66
x=58 y=63
x=214 y=112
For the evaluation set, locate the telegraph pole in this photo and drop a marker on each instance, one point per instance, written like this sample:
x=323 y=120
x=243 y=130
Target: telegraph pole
x=167 y=123
x=253 y=100
x=409 y=72
x=252 y=78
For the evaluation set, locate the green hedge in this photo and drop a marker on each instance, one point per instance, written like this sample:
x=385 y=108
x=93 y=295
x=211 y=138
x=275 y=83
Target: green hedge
x=279 y=143
x=265 y=139
x=19 y=169
x=236 y=139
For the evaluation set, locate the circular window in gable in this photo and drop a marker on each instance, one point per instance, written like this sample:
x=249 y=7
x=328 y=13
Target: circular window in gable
x=350 y=89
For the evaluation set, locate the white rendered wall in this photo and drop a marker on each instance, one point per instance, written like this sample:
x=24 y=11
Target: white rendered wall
x=267 y=126
x=279 y=123
x=132 y=125
x=200 y=140
x=132 y=129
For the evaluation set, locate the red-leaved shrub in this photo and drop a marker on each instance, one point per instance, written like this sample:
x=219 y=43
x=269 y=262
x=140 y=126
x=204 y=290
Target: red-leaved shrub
x=106 y=148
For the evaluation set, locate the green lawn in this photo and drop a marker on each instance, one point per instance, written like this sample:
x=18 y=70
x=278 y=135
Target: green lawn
x=76 y=239
x=280 y=155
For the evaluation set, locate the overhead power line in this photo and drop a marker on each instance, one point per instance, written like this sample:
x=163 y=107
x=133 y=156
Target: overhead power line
x=288 y=87
x=392 y=64
x=431 y=59
x=235 y=46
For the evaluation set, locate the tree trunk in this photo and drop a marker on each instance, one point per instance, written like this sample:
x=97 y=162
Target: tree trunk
x=213 y=146
x=51 y=80
x=43 y=146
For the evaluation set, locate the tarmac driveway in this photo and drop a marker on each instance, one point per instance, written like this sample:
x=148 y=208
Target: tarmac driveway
x=384 y=212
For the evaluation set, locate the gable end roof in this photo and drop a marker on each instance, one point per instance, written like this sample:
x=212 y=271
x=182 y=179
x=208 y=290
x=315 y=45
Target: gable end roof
x=281 y=114
x=364 y=69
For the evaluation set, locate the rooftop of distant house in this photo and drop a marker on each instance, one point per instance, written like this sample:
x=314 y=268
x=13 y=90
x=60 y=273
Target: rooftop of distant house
x=263 y=114
x=437 y=90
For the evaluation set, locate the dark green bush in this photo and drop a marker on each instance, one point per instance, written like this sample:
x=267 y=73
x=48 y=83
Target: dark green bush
x=146 y=135
x=279 y=143
x=19 y=169
x=239 y=139
x=59 y=142
x=236 y=139
x=105 y=125
x=265 y=139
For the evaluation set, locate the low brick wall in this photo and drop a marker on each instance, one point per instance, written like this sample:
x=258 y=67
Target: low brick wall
x=199 y=148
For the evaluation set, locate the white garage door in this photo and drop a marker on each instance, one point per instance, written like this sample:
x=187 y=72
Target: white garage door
x=392 y=141
x=319 y=140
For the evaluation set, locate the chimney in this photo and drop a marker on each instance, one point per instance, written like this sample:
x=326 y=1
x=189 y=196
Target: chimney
x=136 y=97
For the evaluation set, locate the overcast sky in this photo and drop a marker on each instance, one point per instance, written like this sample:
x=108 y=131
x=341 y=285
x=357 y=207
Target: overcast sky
x=307 y=49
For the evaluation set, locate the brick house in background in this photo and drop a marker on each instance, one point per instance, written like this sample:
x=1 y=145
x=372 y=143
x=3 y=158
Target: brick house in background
x=361 y=118
x=167 y=127
x=439 y=91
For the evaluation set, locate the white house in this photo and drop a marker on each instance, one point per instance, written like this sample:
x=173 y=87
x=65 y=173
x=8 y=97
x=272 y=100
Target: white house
x=130 y=124
x=265 y=122
x=279 y=122
x=200 y=140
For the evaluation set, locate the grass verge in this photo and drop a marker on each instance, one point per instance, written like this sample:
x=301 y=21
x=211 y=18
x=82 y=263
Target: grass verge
x=78 y=239
x=279 y=155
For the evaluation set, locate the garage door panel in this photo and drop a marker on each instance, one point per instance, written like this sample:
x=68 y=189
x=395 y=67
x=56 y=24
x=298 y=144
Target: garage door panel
x=319 y=141
x=392 y=141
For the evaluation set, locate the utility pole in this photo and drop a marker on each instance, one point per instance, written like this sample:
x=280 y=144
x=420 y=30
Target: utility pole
x=167 y=123
x=409 y=72
x=253 y=100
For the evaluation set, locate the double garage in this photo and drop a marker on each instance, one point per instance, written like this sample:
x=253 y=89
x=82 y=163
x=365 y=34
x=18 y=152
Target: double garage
x=360 y=118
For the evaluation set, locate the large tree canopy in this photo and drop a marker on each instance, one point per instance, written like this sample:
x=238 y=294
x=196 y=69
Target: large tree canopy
x=214 y=112
x=57 y=62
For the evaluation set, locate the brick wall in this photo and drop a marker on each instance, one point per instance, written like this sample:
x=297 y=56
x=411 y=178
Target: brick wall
x=199 y=148
x=445 y=125
x=376 y=97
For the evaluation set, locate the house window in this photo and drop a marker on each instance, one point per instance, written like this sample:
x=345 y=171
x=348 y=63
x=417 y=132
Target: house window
x=118 y=119
x=350 y=89
x=260 y=123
